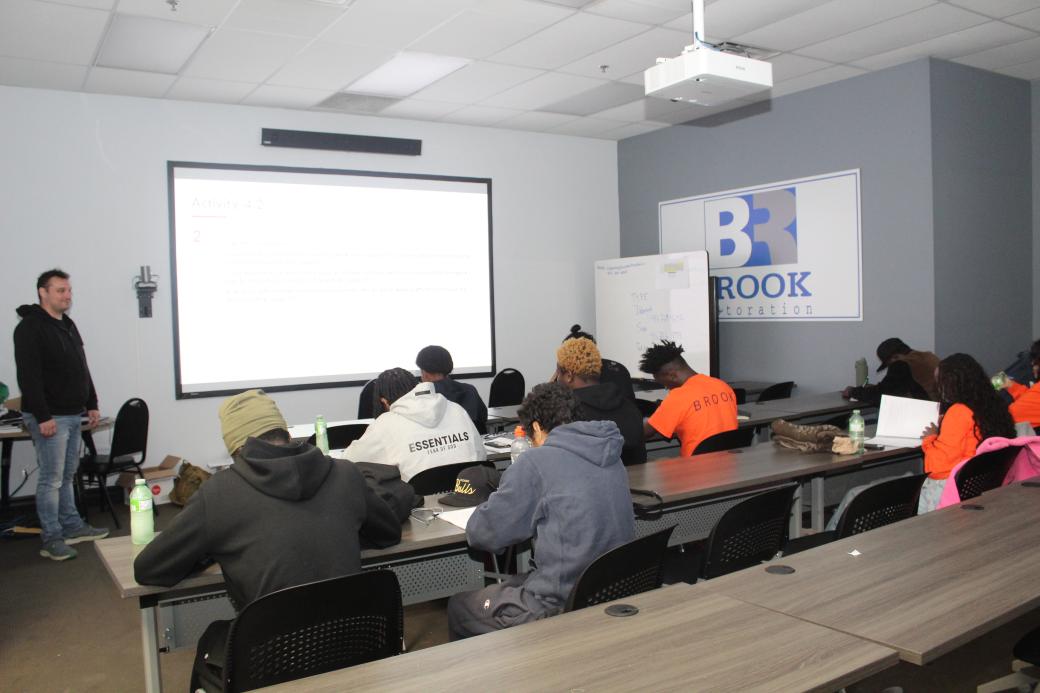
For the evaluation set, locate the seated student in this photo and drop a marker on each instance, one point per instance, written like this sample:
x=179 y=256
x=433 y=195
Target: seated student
x=435 y=365
x=578 y=368
x=416 y=429
x=611 y=371
x=1026 y=404
x=569 y=492
x=282 y=515
x=697 y=405
x=972 y=412
x=910 y=374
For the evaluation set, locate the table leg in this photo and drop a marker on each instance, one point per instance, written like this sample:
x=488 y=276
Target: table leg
x=795 y=530
x=5 y=472
x=817 y=503
x=150 y=647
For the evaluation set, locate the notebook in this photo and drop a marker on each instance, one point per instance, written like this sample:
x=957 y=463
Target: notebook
x=901 y=421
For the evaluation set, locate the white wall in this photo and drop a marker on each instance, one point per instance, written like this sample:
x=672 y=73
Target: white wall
x=83 y=187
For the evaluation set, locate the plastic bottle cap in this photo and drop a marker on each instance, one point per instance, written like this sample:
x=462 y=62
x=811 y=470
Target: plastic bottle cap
x=139 y=482
x=518 y=432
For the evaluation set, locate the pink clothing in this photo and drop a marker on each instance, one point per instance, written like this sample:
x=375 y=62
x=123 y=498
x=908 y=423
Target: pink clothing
x=1025 y=466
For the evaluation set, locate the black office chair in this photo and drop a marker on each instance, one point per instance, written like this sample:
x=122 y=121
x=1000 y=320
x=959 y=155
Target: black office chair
x=365 y=405
x=129 y=438
x=440 y=479
x=314 y=628
x=507 y=388
x=776 y=391
x=984 y=472
x=875 y=506
x=341 y=436
x=631 y=568
x=727 y=440
x=741 y=394
x=617 y=373
x=752 y=531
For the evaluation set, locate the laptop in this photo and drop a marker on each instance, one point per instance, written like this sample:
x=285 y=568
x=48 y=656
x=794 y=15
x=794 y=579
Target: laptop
x=901 y=421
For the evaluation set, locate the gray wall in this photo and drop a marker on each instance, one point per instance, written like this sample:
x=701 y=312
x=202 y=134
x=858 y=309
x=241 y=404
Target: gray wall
x=982 y=194
x=1036 y=208
x=878 y=123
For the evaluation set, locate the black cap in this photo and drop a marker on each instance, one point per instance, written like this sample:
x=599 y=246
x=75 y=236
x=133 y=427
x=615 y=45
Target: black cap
x=889 y=348
x=473 y=486
x=434 y=359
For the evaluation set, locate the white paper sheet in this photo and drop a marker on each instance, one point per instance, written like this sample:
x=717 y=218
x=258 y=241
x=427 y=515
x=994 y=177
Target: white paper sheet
x=459 y=518
x=902 y=419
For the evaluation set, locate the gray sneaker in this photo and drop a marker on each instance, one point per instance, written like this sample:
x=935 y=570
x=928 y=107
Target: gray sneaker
x=57 y=550
x=85 y=533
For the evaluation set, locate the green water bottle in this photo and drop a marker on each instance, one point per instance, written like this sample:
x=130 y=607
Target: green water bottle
x=856 y=430
x=321 y=434
x=142 y=522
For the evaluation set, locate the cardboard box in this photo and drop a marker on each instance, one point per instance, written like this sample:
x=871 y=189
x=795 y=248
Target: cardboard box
x=160 y=480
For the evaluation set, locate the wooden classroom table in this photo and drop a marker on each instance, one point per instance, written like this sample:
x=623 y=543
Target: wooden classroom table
x=682 y=638
x=923 y=586
x=118 y=553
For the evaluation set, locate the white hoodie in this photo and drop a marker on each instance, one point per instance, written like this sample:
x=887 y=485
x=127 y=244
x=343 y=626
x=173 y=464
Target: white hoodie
x=421 y=430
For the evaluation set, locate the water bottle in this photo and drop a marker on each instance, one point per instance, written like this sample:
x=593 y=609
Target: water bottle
x=999 y=381
x=520 y=443
x=321 y=434
x=142 y=522
x=856 y=426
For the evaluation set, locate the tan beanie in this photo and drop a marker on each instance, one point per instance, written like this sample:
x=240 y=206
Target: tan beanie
x=248 y=414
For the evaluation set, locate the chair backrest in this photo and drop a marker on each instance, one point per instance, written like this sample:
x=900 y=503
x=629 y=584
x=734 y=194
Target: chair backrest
x=440 y=479
x=727 y=440
x=341 y=436
x=631 y=568
x=741 y=394
x=507 y=388
x=314 y=628
x=776 y=391
x=365 y=407
x=984 y=472
x=130 y=435
x=881 y=504
x=750 y=532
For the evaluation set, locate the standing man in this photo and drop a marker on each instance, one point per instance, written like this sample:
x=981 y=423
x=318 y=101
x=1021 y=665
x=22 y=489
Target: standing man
x=56 y=389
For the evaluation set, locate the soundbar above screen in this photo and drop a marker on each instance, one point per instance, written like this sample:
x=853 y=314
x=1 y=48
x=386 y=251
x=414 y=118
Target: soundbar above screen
x=290 y=278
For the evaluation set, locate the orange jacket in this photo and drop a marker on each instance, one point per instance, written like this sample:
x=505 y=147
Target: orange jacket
x=1026 y=406
x=956 y=441
x=701 y=407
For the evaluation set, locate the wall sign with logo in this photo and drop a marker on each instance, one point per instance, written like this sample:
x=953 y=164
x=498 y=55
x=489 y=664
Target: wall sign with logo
x=784 y=251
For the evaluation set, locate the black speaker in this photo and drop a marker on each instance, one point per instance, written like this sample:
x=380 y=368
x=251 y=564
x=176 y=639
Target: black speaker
x=302 y=139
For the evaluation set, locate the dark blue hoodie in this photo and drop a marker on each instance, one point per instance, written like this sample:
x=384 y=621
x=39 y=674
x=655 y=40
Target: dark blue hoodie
x=571 y=495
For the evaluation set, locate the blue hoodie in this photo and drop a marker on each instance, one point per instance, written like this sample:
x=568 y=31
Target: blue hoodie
x=571 y=495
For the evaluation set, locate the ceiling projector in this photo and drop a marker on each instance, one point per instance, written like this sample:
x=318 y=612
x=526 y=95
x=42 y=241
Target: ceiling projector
x=707 y=77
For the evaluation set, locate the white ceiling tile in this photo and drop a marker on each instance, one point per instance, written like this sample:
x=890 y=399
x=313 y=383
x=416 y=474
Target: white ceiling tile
x=587 y=127
x=476 y=82
x=634 y=11
x=568 y=40
x=419 y=109
x=391 y=24
x=329 y=66
x=286 y=97
x=212 y=90
x=149 y=44
x=815 y=79
x=632 y=129
x=96 y=4
x=1029 y=70
x=476 y=34
x=827 y=21
x=1030 y=20
x=537 y=121
x=243 y=56
x=524 y=10
x=19 y=72
x=1003 y=56
x=545 y=89
x=49 y=32
x=643 y=109
x=728 y=18
x=910 y=28
x=595 y=100
x=569 y=3
x=789 y=66
x=104 y=80
x=209 y=13
x=630 y=57
x=479 y=115
x=996 y=8
x=283 y=17
x=971 y=40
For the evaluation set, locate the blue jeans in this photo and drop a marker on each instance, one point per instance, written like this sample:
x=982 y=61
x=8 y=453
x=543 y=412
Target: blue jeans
x=58 y=460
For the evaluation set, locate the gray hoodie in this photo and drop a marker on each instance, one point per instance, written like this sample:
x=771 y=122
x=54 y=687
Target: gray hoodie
x=571 y=495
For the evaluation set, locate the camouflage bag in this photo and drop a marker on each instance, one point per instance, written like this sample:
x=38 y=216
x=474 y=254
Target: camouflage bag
x=187 y=483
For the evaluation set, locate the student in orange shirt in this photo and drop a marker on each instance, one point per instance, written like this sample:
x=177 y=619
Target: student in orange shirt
x=972 y=412
x=1026 y=406
x=697 y=405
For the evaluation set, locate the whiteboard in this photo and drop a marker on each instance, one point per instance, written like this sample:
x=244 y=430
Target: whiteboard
x=642 y=300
